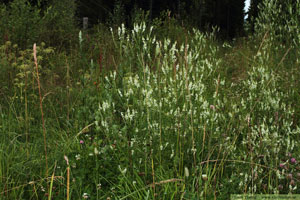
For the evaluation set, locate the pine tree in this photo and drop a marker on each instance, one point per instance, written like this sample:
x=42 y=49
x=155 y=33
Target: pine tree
x=253 y=13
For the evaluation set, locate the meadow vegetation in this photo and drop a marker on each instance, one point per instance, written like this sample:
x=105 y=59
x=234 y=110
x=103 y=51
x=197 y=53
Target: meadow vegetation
x=159 y=111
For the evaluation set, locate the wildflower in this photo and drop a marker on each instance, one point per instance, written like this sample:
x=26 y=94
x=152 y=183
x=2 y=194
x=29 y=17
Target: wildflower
x=96 y=151
x=212 y=107
x=85 y=195
x=280 y=187
x=77 y=157
x=204 y=177
x=281 y=165
x=8 y=43
x=292 y=182
x=293 y=160
x=81 y=142
x=186 y=172
x=290 y=176
x=123 y=171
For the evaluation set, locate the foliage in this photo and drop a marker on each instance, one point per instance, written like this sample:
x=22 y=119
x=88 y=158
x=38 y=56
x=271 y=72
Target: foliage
x=117 y=17
x=20 y=23
x=252 y=15
x=58 y=23
x=24 y=24
x=280 y=20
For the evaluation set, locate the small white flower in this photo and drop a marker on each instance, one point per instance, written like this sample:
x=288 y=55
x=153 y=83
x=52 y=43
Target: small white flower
x=204 y=177
x=80 y=37
x=186 y=172
x=77 y=157
x=172 y=154
x=105 y=106
x=96 y=151
x=123 y=171
x=85 y=195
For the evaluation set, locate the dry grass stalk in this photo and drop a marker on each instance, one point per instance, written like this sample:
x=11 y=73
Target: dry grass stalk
x=68 y=177
x=41 y=106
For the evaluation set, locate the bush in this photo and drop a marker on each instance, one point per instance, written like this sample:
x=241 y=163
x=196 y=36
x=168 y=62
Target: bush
x=58 y=23
x=20 y=23
x=25 y=24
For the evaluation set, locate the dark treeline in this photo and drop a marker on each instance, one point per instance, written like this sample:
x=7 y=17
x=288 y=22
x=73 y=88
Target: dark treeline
x=227 y=15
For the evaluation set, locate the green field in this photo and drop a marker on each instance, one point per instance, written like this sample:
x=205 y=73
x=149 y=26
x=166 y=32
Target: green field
x=154 y=112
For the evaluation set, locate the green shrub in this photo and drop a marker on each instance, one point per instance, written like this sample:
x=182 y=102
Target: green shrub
x=58 y=24
x=20 y=23
x=280 y=20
